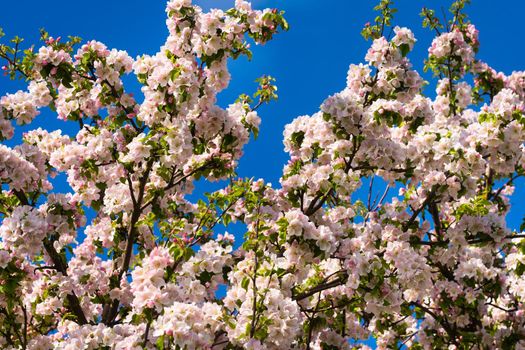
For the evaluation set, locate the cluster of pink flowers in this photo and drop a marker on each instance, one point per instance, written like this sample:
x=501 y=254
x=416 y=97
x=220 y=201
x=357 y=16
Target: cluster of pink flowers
x=48 y=55
x=452 y=45
x=22 y=106
x=148 y=280
x=24 y=231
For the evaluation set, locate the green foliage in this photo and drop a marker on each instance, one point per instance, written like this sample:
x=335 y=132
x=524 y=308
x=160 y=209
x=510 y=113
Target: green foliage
x=430 y=20
x=266 y=91
x=384 y=19
x=479 y=206
x=297 y=138
x=391 y=118
x=19 y=62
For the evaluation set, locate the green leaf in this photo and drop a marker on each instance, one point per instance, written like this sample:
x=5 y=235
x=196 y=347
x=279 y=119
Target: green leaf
x=405 y=49
x=160 y=342
x=297 y=138
x=245 y=282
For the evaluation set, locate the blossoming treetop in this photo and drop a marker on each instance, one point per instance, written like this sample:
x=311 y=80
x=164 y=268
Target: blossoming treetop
x=433 y=267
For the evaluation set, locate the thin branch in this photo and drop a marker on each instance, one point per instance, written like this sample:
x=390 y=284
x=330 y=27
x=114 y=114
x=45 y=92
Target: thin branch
x=319 y=288
x=498 y=192
x=110 y=316
x=370 y=188
x=146 y=332
x=383 y=197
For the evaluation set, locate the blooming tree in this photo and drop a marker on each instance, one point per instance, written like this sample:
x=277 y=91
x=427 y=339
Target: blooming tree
x=434 y=266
